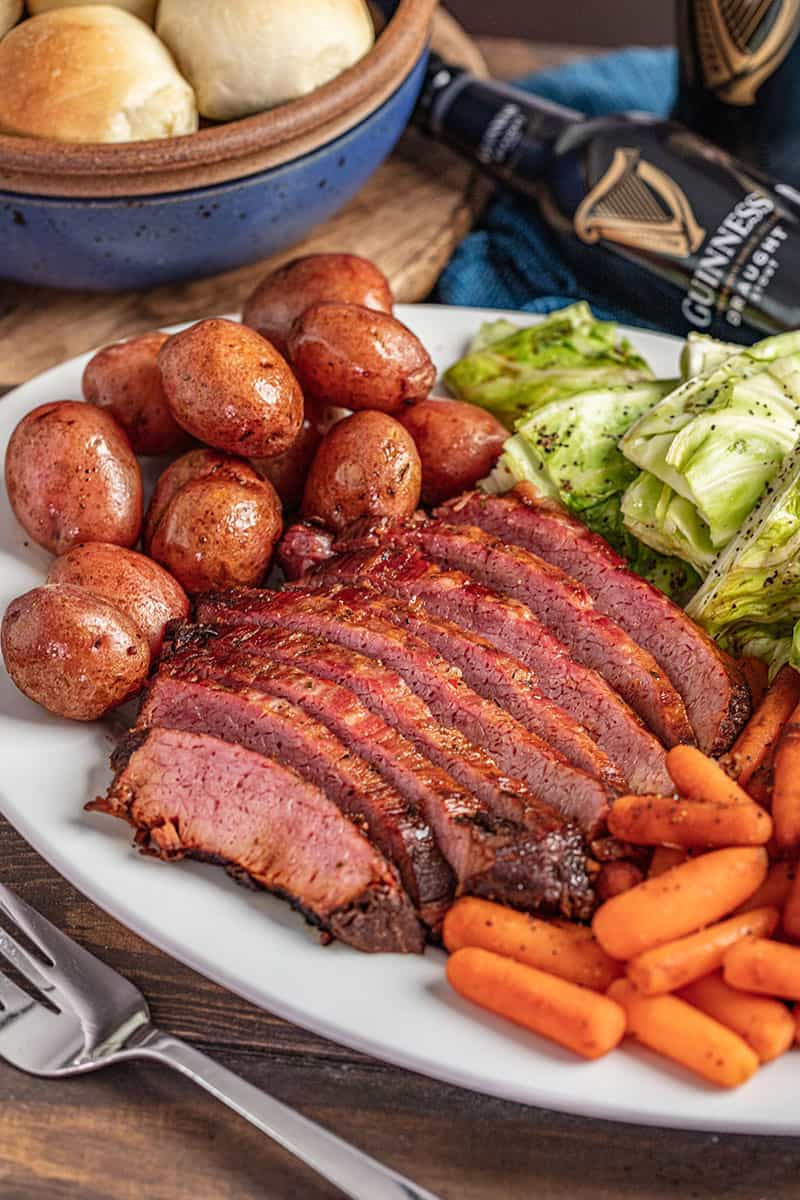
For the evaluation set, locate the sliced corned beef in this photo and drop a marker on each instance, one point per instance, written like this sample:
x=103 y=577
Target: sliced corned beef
x=565 y=608
x=192 y=795
x=181 y=697
x=713 y=690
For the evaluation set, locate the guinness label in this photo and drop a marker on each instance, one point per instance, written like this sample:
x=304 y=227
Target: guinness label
x=740 y=43
x=637 y=204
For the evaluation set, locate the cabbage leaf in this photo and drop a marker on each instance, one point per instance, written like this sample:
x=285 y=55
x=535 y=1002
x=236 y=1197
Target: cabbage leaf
x=722 y=435
x=750 y=600
x=567 y=352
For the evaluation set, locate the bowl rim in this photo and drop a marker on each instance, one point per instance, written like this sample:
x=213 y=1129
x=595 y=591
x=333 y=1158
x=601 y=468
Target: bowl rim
x=392 y=56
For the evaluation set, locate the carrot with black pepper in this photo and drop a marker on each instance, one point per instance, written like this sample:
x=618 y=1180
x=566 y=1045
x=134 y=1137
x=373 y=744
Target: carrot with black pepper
x=671 y=966
x=582 y=1020
x=786 y=785
x=567 y=950
x=769 y=968
x=693 y=824
x=675 y=1029
x=765 y=1024
x=680 y=901
x=753 y=745
x=699 y=777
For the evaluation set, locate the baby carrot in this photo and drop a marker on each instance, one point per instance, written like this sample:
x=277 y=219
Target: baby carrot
x=568 y=951
x=770 y=968
x=754 y=742
x=665 y=857
x=786 y=785
x=774 y=891
x=756 y=676
x=616 y=877
x=683 y=899
x=575 y=1017
x=669 y=967
x=651 y=820
x=673 y=1028
x=790 y=922
x=759 y=785
x=765 y=1024
x=699 y=777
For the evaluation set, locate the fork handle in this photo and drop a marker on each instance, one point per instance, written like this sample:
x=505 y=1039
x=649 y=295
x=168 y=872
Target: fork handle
x=354 y=1173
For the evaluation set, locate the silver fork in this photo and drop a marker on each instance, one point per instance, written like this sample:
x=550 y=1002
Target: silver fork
x=101 y=1019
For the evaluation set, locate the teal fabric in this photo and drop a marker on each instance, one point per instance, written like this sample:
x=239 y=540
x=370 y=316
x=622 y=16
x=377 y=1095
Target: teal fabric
x=513 y=260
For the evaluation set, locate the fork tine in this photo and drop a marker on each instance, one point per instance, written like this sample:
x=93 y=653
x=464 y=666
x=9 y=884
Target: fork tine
x=12 y=999
x=53 y=944
x=76 y=975
x=25 y=963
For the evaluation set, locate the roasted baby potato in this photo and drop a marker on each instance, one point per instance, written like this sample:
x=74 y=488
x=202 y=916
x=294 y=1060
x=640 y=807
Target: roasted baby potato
x=134 y=584
x=213 y=522
x=285 y=294
x=228 y=386
x=192 y=465
x=125 y=379
x=72 y=477
x=353 y=357
x=72 y=652
x=366 y=467
x=458 y=444
x=288 y=472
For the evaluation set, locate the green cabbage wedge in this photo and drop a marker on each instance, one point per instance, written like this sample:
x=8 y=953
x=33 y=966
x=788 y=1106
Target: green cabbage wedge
x=750 y=600
x=720 y=437
x=513 y=373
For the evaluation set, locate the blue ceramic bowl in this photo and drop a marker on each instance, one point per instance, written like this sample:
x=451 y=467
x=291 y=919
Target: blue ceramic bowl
x=111 y=243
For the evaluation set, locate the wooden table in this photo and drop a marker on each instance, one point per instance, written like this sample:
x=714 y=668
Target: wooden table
x=141 y=1133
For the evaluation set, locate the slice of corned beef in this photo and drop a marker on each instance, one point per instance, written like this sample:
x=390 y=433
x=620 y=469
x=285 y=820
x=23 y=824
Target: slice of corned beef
x=182 y=698
x=512 y=627
x=566 y=609
x=518 y=752
x=191 y=795
x=479 y=845
x=713 y=690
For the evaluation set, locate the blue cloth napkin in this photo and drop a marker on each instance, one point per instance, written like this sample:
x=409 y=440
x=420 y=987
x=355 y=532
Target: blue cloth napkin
x=513 y=260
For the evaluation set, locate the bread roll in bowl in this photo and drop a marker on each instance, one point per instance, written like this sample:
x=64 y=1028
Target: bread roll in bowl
x=146 y=9
x=91 y=74
x=10 y=13
x=243 y=56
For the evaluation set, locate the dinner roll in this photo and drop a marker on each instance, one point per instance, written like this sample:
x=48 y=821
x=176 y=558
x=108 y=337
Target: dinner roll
x=146 y=9
x=10 y=13
x=91 y=74
x=242 y=56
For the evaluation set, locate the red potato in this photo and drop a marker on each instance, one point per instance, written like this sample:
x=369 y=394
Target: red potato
x=193 y=465
x=230 y=388
x=134 y=584
x=288 y=472
x=285 y=294
x=213 y=522
x=458 y=444
x=125 y=379
x=72 y=477
x=72 y=652
x=366 y=467
x=356 y=358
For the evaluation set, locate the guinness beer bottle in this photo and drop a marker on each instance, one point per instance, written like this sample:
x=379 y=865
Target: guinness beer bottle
x=740 y=79
x=709 y=244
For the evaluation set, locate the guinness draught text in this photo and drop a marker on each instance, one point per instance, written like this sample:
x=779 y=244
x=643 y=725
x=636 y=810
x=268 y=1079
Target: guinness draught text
x=710 y=241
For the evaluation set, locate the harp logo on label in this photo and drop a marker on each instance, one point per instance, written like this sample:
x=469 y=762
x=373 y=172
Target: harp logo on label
x=740 y=43
x=637 y=204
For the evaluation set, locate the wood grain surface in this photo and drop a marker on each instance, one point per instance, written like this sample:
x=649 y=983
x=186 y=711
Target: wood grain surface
x=141 y=1133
